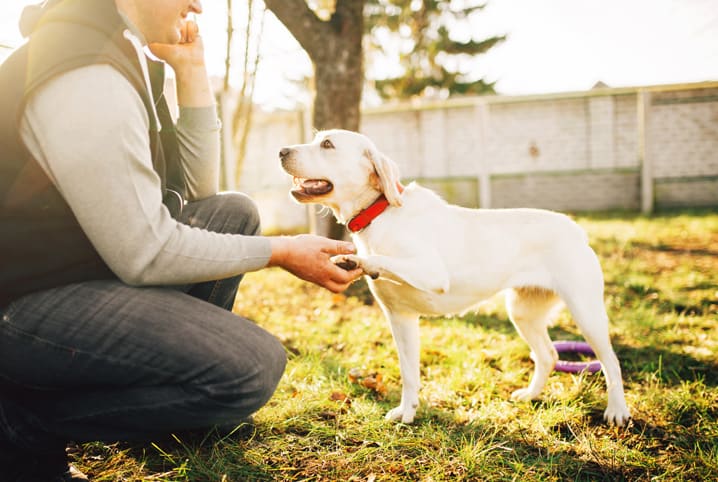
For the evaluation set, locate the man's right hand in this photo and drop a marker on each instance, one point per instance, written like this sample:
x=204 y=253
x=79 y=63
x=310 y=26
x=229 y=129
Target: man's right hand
x=309 y=257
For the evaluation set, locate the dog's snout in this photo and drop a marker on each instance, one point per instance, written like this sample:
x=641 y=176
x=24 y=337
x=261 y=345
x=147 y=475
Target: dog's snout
x=284 y=152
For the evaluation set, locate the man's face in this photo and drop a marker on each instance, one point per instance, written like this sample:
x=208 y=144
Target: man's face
x=161 y=21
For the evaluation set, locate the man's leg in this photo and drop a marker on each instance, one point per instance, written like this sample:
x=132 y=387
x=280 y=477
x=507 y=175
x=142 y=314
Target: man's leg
x=232 y=213
x=105 y=361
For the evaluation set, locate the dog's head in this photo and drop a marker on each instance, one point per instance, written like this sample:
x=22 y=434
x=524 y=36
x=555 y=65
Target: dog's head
x=341 y=170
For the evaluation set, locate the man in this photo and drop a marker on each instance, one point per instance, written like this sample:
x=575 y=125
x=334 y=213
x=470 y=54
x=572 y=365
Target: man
x=120 y=262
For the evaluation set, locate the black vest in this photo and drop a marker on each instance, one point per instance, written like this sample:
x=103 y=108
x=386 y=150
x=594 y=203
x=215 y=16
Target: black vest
x=41 y=243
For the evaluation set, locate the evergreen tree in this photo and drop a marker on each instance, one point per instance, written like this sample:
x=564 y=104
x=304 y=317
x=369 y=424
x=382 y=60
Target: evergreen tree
x=432 y=61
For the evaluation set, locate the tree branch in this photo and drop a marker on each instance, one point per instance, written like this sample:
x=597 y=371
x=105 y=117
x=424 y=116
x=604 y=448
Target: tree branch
x=300 y=20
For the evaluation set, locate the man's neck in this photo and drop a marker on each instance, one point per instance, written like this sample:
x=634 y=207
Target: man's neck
x=126 y=9
x=133 y=28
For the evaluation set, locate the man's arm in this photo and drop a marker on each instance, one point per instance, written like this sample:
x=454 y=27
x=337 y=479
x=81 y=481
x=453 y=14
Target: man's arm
x=197 y=127
x=88 y=129
x=198 y=139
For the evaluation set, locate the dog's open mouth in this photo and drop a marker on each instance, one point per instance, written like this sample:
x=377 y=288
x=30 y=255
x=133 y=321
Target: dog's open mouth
x=311 y=187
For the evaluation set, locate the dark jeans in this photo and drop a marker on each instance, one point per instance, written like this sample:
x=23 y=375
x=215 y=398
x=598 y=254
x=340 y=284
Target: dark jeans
x=102 y=360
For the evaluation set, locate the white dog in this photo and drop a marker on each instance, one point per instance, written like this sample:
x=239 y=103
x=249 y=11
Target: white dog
x=427 y=257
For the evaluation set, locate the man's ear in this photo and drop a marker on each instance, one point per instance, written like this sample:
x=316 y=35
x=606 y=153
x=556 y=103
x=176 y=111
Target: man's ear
x=387 y=173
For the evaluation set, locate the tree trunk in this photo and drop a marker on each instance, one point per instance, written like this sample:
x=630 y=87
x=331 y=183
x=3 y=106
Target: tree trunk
x=335 y=48
x=338 y=70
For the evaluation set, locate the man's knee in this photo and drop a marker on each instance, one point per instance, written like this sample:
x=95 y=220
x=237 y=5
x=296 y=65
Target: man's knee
x=244 y=210
x=265 y=382
x=248 y=380
x=232 y=213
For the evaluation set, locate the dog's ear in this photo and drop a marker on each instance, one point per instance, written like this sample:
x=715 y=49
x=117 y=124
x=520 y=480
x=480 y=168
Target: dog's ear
x=387 y=175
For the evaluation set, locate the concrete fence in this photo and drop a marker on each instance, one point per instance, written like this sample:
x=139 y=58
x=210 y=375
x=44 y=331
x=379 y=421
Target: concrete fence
x=625 y=148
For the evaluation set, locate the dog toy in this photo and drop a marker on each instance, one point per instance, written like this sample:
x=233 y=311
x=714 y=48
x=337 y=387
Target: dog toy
x=575 y=367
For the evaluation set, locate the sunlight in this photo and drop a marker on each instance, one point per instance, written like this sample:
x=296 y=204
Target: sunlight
x=563 y=45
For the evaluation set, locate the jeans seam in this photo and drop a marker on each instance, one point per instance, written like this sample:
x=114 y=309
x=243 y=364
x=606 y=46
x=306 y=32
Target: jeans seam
x=213 y=294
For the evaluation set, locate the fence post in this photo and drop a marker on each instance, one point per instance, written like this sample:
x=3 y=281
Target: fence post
x=484 y=163
x=644 y=158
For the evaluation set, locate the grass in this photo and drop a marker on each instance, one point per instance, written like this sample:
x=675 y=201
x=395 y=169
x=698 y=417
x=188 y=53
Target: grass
x=325 y=421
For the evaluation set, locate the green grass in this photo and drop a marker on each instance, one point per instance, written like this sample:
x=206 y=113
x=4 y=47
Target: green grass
x=323 y=424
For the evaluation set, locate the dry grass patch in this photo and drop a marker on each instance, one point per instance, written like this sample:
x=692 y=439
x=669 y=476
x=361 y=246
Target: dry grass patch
x=326 y=423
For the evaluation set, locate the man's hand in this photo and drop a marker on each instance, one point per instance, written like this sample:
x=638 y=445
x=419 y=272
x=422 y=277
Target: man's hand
x=188 y=53
x=309 y=257
x=187 y=60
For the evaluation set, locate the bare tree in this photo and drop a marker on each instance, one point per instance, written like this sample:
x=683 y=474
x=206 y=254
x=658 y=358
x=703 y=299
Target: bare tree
x=227 y=173
x=237 y=114
x=228 y=55
x=242 y=118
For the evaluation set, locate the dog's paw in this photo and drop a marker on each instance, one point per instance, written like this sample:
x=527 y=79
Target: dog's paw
x=400 y=414
x=523 y=395
x=344 y=263
x=352 y=261
x=618 y=418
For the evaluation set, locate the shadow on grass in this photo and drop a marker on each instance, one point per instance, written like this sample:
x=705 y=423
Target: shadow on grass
x=522 y=455
x=670 y=363
x=490 y=323
x=670 y=366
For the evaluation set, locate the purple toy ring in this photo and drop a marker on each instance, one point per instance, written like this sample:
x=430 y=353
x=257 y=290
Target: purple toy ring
x=575 y=367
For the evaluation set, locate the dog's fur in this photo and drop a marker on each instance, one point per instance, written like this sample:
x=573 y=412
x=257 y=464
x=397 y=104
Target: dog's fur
x=427 y=257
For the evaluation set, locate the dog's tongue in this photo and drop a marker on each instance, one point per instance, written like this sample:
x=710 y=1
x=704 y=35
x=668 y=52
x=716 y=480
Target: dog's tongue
x=316 y=186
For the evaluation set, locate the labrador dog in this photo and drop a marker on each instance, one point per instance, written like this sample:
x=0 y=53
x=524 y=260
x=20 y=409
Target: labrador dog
x=426 y=257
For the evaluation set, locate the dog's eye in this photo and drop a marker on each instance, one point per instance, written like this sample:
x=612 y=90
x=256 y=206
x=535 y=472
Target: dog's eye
x=327 y=144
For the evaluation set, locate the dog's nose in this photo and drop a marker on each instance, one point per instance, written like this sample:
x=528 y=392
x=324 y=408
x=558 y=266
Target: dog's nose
x=284 y=152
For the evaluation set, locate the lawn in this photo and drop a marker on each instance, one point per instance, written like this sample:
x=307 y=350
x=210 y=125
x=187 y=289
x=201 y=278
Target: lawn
x=326 y=422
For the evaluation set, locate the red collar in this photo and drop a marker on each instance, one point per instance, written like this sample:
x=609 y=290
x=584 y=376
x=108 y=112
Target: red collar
x=367 y=215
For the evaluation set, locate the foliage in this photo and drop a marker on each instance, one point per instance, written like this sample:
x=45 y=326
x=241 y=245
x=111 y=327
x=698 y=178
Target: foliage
x=422 y=34
x=325 y=421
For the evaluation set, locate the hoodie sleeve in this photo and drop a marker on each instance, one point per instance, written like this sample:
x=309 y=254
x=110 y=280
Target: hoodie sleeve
x=198 y=137
x=88 y=130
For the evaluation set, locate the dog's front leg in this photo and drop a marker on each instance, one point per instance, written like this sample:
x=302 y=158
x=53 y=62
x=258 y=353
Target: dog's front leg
x=405 y=329
x=426 y=273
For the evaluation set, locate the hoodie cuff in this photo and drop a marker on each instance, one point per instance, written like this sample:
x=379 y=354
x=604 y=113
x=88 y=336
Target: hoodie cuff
x=199 y=119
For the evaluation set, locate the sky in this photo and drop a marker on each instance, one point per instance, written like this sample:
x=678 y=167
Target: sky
x=552 y=45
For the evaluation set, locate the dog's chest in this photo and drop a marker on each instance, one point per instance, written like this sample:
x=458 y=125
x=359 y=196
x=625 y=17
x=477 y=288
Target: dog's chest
x=402 y=297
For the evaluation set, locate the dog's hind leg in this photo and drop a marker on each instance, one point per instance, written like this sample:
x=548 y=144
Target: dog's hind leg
x=531 y=310
x=405 y=329
x=583 y=295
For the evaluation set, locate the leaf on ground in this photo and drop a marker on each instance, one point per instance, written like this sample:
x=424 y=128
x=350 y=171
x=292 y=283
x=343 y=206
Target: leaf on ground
x=343 y=399
x=340 y=397
x=372 y=381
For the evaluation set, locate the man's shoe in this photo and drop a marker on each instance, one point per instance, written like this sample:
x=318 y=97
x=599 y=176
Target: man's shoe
x=73 y=474
x=24 y=466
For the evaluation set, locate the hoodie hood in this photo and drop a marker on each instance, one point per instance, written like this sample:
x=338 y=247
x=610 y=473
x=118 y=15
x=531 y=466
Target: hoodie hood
x=72 y=33
x=31 y=15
